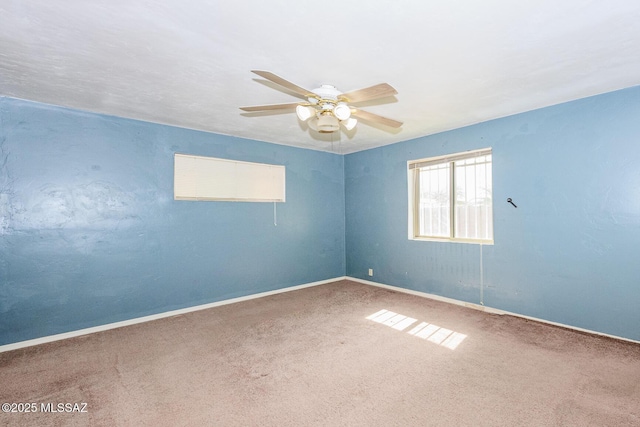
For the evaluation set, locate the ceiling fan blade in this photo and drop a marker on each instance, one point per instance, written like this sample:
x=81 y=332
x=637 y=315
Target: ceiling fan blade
x=290 y=106
x=285 y=83
x=365 y=115
x=381 y=90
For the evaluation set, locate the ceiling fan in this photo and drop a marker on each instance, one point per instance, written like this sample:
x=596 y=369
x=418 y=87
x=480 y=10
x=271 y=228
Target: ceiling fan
x=325 y=108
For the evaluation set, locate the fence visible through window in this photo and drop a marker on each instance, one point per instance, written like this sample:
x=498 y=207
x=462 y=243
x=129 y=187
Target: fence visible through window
x=452 y=197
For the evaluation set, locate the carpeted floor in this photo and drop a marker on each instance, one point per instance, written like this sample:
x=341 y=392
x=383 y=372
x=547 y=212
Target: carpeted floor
x=342 y=354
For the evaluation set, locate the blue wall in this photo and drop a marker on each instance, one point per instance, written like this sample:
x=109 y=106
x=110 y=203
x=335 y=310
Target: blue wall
x=90 y=233
x=568 y=253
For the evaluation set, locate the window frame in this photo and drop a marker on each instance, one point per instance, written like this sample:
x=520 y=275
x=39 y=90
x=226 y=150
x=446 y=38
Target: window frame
x=414 y=195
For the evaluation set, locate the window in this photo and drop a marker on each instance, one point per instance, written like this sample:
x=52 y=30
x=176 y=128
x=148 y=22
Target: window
x=451 y=197
x=209 y=178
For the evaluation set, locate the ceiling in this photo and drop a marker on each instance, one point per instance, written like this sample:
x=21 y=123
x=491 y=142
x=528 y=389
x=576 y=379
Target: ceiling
x=187 y=62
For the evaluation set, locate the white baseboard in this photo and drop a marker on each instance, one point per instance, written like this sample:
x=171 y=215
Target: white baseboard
x=106 y=327
x=484 y=308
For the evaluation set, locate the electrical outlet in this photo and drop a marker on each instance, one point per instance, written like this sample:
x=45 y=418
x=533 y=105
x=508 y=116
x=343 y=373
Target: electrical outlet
x=371 y=272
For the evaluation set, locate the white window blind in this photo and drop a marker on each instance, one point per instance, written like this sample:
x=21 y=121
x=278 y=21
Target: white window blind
x=210 y=178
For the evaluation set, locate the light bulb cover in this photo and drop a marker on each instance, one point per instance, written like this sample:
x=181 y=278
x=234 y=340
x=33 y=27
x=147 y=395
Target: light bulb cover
x=342 y=111
x=313 y=123
x=328 y=123
x=304 y=112
x=350 y=123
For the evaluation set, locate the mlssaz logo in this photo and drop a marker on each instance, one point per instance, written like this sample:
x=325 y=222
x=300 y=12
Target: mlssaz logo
x=63 y=407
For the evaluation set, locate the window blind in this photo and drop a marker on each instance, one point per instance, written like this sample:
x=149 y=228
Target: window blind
x=210 y=178
x=414 y=164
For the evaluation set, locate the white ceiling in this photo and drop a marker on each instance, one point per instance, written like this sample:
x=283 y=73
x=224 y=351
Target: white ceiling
x=187 y=62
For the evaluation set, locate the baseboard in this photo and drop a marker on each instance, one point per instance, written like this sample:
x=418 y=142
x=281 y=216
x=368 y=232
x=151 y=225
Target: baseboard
x=108 y=326
x=485 y=308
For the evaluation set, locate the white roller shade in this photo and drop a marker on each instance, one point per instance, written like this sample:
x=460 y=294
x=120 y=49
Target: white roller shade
x=210 y=178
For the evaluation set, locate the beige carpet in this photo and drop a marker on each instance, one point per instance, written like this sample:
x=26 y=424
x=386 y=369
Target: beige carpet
x=342 y=354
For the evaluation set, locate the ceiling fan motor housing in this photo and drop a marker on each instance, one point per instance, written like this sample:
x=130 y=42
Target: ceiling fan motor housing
x=328 y=92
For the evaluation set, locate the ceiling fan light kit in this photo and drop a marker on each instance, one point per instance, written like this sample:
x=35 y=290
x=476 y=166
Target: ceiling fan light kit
x=325 y=108
x=326 y=117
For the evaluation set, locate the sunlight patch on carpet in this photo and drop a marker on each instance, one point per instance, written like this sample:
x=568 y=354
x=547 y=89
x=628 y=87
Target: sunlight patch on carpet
x=427 y=331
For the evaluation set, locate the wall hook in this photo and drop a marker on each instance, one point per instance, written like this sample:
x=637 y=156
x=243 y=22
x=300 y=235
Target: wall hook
x=511 y=201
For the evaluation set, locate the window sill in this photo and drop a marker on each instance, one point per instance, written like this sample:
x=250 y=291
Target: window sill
x=445 y=239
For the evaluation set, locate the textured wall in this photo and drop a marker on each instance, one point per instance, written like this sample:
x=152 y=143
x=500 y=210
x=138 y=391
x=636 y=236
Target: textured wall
x=567 y=254
x=90 y=233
